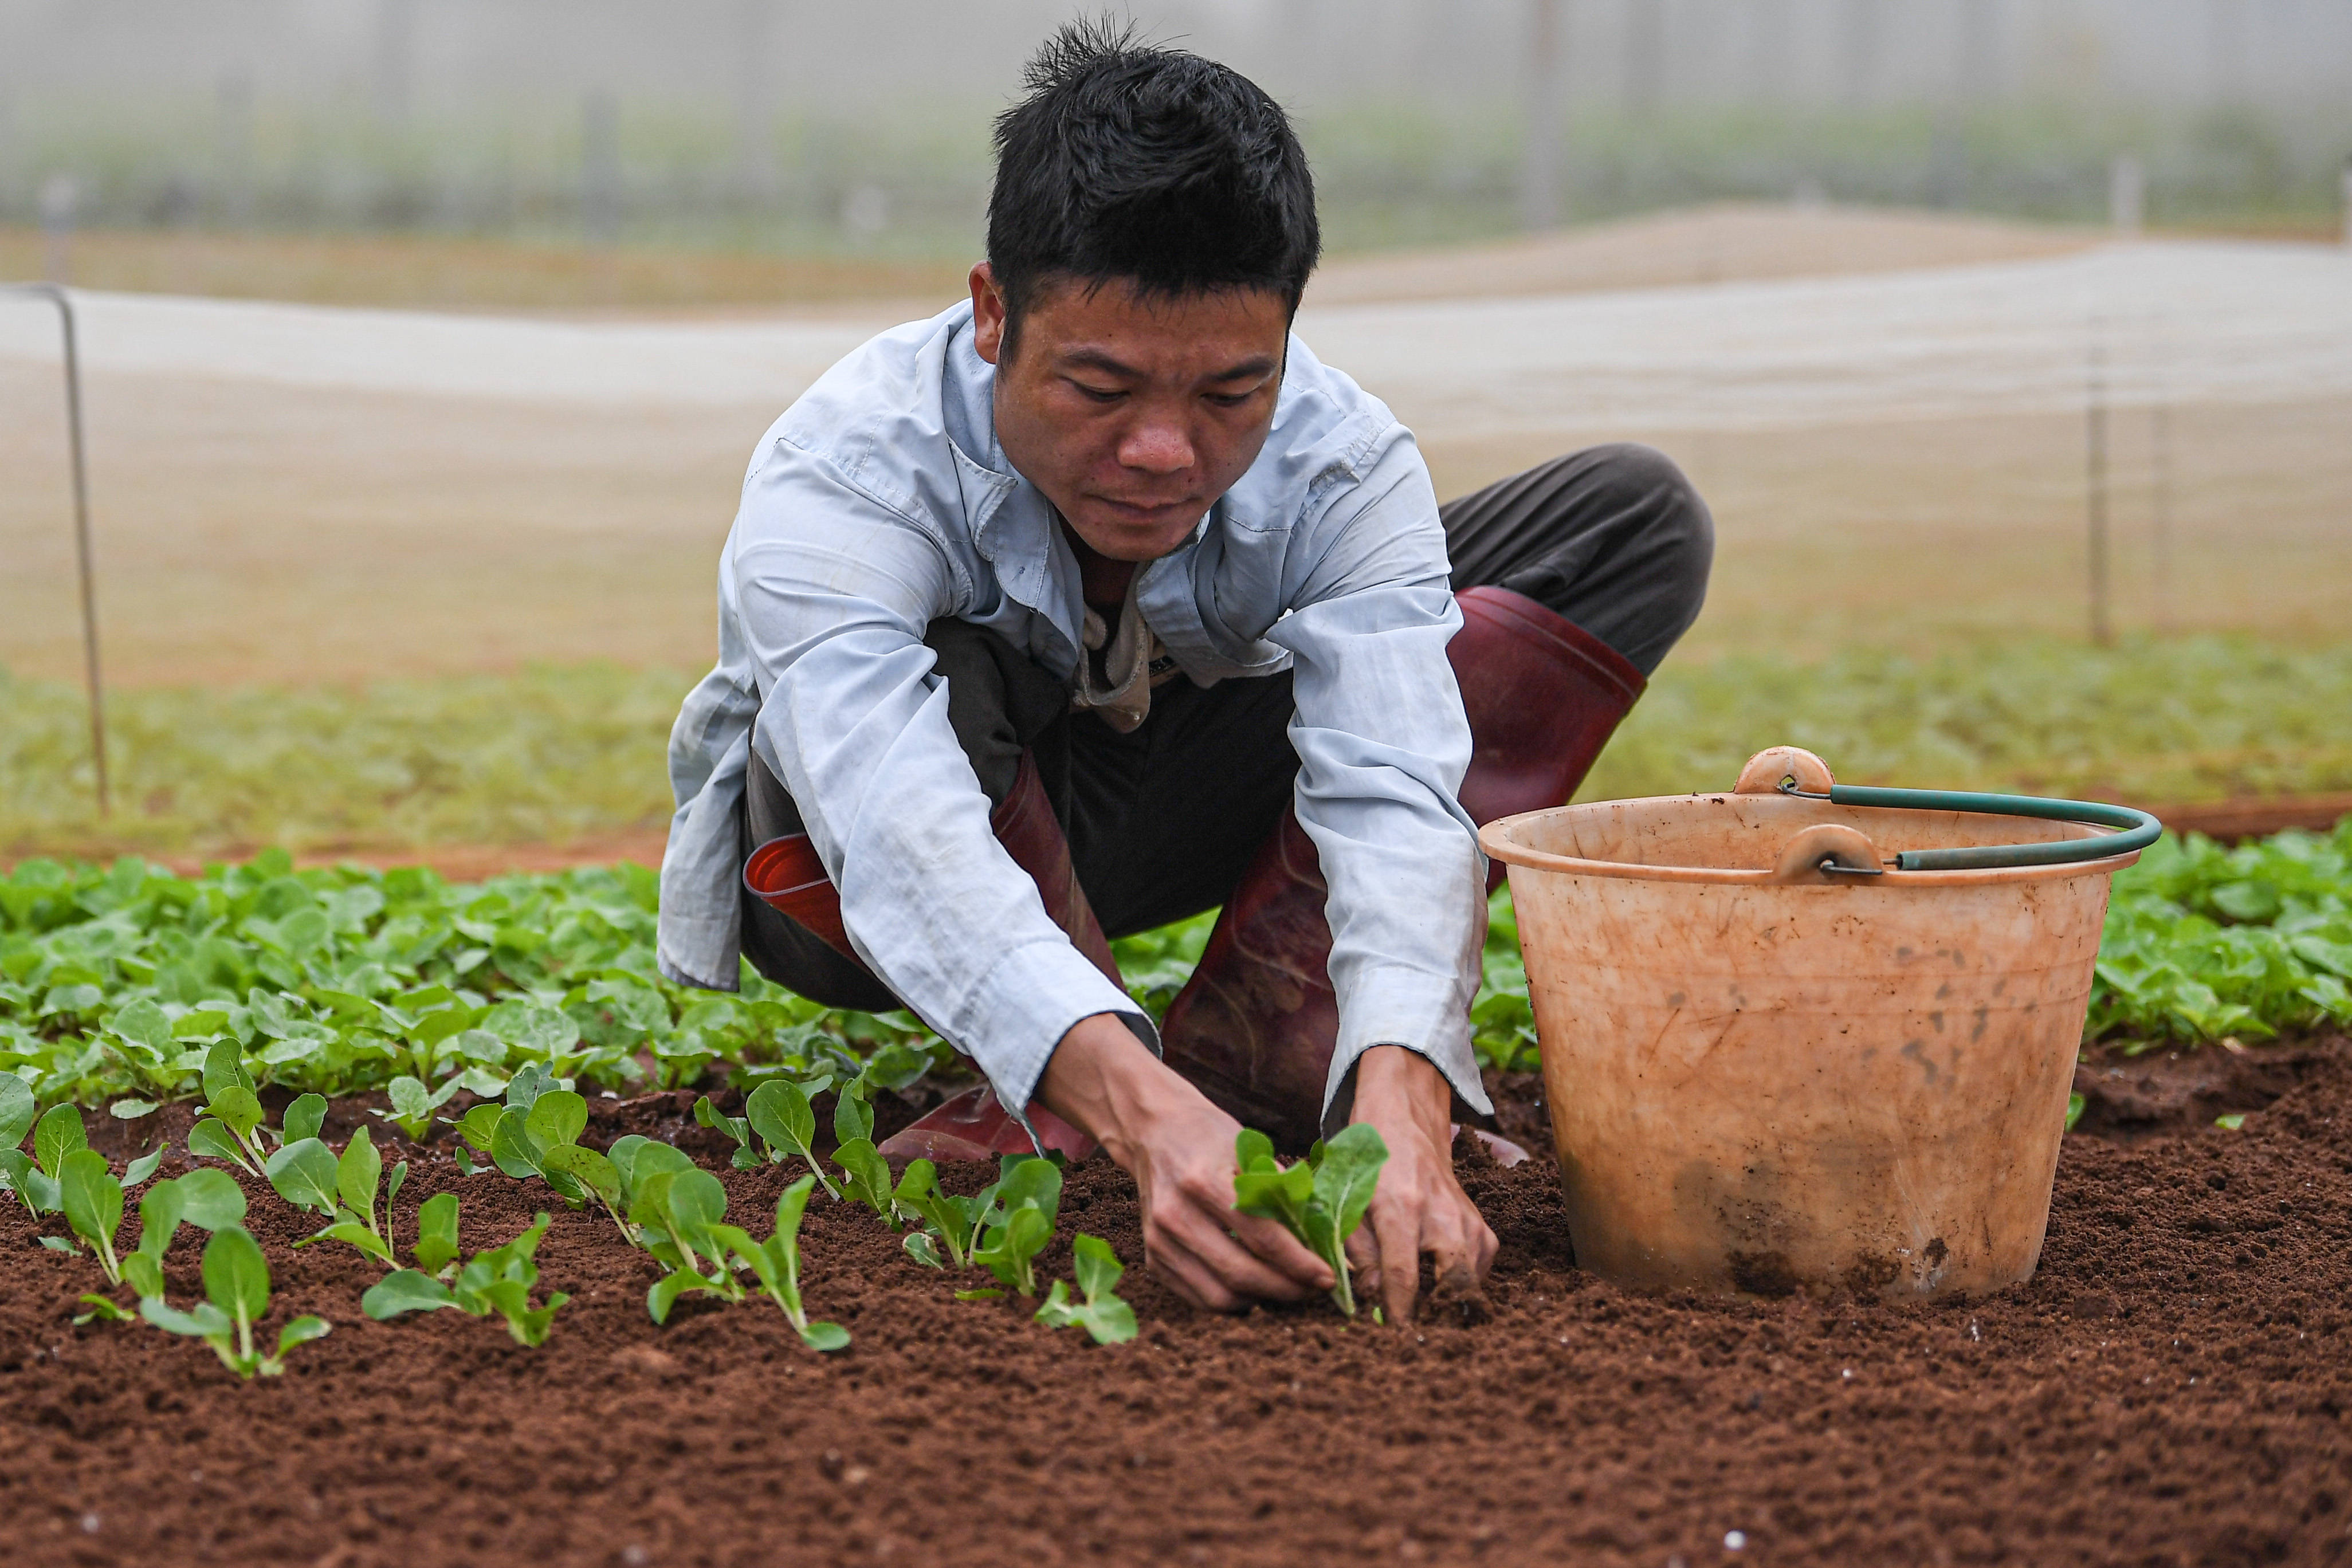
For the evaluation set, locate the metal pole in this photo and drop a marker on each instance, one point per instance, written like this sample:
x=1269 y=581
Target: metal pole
x=81 y=531
x=2102 y=626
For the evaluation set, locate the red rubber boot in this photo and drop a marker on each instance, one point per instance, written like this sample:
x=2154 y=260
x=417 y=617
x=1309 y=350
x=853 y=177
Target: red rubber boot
x=1255 y=1025
x=787 y=873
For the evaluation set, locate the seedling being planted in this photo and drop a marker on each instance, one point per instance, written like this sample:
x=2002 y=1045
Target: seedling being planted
x=1109 y=1320
x=307 y=1175
x=1320 y=1200
x=236 y=1280
x=1017 y=1214
x=498 y=1282
x=777 y=1264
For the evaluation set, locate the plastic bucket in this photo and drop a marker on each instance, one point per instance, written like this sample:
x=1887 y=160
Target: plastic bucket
x=1770 y=1072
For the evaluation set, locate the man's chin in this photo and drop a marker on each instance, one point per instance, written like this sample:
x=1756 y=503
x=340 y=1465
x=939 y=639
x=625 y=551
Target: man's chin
x=1122 y=536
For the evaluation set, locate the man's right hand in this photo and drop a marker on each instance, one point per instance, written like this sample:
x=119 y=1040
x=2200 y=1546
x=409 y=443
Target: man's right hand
x=1180 y=1149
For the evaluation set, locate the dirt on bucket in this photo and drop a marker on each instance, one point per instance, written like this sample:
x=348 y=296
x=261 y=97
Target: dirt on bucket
x=2172 y=1386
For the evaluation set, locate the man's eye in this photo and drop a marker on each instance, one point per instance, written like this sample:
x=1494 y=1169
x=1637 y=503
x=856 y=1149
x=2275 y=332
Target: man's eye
x=1098 y=394
x=1229 y=399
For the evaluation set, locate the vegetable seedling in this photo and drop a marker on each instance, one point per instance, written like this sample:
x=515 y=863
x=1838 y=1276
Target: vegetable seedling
x=865 y=1177
x=231 y=1128
x=207 y=1197
x=1321 y=1200
x=778 y=1111
x=496 y=1281
x=1019 y=1212
x=745 y=1158
x=237 y=1281
x=776 y=1262
x=1107 y=1319
x=413 y=1103
x=436 y=1236
x=945 y=1218
x=16 y=1112
x=679 y=1215
x=307 y=1176
x=35 y=1178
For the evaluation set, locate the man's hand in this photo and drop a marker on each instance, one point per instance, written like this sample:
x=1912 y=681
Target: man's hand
x=1180 y=1149
x=1418 y=1206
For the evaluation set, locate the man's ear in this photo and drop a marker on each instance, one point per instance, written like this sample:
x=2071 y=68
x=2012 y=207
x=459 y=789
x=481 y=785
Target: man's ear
x=987 y=314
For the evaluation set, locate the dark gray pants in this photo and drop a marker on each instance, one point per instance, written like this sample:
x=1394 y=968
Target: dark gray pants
x=1163 y=820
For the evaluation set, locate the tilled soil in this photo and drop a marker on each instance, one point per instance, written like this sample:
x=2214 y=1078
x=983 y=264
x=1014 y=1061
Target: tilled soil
x=2170 y=1388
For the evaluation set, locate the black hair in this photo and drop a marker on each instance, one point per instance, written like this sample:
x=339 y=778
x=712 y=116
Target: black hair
x=1147 y=166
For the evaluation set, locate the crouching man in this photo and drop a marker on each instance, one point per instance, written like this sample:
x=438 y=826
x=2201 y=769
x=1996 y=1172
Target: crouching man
x=1099 y=601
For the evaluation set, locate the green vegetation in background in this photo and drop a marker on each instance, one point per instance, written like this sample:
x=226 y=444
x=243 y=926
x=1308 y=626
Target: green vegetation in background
x=1390 y=170
x=551 y=755
x=116 y=985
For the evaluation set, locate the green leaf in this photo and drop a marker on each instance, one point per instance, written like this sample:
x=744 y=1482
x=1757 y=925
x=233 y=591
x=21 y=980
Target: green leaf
x=205 y=1320
x=239 y=1109
x=825 y=1337
x=304 y=1117
x=106 y=1308
x=405 y=1290
x=146 y=1165
x=2231 y=1122
x=533 y=1078
x=352 y=1233
x=853 y=1118
x=305 y=1175
x=479 y=1126
x=224 y=1070
x=512 y=1149
x=922 y=1250
x=301 y=1330
x=867 y=1177
x=1349 y=1174
x=738 y=1128
x=779 y=1113
x=436 y=1232
x=16 y=1110
x=211 y=1199
x=593 y=1172
x=1010 y=1249
x=161 y=1209
x=358 y=1173
x=59 y=1134
x=2075 y=1103
x=666 y=1291
x=93 y=1202
x=556 y=1118
x=213 y=1140
x=1253 y=1151
x=237 y=1277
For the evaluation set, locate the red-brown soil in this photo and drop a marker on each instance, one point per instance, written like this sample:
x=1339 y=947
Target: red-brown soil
x=2170 y=1388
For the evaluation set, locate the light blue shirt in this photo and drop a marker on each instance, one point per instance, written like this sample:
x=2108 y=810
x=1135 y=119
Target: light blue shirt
x=881 y=502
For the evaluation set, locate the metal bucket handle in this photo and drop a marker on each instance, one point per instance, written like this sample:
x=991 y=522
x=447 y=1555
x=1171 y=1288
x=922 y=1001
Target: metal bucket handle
x=1790 y=771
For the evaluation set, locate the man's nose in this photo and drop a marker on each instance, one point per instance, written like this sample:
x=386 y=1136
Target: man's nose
x=1156 y=446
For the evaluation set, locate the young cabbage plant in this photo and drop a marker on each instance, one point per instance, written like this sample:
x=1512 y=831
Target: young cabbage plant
x=780 y=1111
x=1018 y=1215
x=232 y=1115
x=946 y=1220
x=679 y=1215
x=865 y=1177
x=17 y=1109
x=207 y=1197
x=776 y=1263
x=537 y=1118
x=237 y=1281
x=309 y=1177
x=36 y=1177
x=744 y=1158
x=496 y=1282
x=1321 y=1200
x=1107 y=1319
x=413 y=1103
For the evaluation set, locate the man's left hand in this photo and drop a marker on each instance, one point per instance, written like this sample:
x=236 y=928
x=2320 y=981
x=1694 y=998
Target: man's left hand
x=1419 y=1206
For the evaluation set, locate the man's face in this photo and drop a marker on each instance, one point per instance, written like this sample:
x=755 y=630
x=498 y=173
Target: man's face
x=1133 y=415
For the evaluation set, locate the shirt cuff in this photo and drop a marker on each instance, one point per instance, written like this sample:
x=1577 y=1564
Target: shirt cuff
x=1426 y=1015
x=1009 y=1022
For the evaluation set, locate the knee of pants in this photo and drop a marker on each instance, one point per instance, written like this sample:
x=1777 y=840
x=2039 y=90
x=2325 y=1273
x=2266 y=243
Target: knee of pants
x=1677 y=529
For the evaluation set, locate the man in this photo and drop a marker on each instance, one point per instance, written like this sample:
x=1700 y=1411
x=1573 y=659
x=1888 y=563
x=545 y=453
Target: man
x=1097 y=603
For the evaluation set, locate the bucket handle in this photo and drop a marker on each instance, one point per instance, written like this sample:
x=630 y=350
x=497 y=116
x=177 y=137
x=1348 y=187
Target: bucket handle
x=1791 y=770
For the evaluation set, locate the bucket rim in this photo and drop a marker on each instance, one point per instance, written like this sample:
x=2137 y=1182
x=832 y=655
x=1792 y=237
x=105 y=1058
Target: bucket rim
x=1495 y=839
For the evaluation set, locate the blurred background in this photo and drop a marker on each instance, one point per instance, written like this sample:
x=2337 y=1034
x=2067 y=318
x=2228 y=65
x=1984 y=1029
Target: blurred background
x=424 y=343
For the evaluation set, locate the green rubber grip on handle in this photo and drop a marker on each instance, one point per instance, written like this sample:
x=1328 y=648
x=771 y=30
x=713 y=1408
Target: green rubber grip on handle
x=2137 y=828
